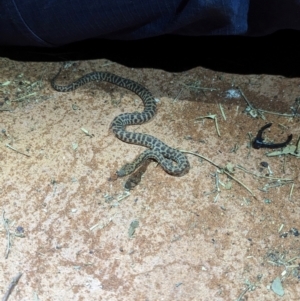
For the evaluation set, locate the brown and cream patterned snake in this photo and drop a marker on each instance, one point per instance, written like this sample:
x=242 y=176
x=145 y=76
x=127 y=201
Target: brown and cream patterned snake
x=159 y=151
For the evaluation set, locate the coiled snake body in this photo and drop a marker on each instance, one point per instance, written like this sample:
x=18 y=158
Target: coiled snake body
x=158 y=150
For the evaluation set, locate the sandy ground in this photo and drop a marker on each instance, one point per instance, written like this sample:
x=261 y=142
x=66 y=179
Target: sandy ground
x=67 y=218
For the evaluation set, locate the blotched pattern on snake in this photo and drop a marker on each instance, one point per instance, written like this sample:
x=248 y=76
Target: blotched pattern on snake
x=159 y=151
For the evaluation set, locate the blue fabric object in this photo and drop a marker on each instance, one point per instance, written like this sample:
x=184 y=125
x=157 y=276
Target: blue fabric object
x=50 y=23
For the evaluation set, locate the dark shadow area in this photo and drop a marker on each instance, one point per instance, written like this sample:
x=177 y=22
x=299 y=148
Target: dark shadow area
x=274 y=54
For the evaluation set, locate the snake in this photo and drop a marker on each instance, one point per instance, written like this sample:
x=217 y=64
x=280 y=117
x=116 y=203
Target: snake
x=171 y=160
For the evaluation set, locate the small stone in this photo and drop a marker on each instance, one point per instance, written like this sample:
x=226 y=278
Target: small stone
x=294 y=231
x=277 y=287
x=20 y=230
x=264 y=164
x=134 y=224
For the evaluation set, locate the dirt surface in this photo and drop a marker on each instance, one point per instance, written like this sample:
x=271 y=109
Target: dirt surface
x=216 y=234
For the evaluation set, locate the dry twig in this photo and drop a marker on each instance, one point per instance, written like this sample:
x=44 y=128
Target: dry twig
x=12 y=285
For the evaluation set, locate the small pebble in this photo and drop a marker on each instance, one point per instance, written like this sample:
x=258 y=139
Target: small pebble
x=264 y=164
x=134 y=224
x=277 y=287
x=294 y=231
x=20 y=230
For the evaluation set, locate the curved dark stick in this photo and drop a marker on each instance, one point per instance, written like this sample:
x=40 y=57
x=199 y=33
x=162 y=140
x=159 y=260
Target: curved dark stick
x=258 y=142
